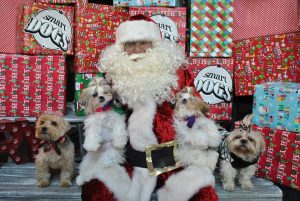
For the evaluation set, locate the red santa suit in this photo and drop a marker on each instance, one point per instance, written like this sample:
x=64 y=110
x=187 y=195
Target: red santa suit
x=146 y=86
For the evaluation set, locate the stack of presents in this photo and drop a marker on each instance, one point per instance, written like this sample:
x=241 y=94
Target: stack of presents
x=234 y=48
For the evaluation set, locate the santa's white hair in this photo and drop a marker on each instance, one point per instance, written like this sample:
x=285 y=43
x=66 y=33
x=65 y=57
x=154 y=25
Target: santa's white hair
x=154 y=74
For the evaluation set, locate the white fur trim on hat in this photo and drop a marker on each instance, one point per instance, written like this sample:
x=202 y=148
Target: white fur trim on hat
x=137 y=30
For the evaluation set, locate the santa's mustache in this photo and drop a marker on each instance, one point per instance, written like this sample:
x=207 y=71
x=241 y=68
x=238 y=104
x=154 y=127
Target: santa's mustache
x=135 y=57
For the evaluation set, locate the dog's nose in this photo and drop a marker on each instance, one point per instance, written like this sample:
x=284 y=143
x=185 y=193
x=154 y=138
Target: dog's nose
x=243 y=141
x=184 y=101
x=44 y=129
x=101 y=99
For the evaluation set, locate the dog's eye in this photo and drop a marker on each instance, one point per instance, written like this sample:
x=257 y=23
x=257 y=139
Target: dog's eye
x=237 y=137
x=42 y=122
x=251 y=139
x=53 y=123
x=95 y=95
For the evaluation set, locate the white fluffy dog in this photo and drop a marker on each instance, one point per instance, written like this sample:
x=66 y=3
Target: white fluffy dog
x=105 y=139
x=239 y=152
x=197 y=137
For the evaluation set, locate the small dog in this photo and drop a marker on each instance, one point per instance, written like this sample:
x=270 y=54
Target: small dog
x=239 y=152
x=56 y=150
x=198 y=138
x=105 y=139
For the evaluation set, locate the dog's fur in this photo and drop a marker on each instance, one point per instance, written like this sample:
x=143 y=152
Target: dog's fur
x=51 y=128
x=105 y=139
x=247 y=145
x=196 y=149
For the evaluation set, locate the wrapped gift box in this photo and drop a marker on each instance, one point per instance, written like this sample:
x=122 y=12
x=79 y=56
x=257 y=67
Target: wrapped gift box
x=81 y=81
x=211 y=28
x=165 y=3
x=57 y=1
x=280 y=162
x=47 y=29
x=10 y=17
x=172 y=21
x=212 y=78
x=95 y=29
x=277 y=105
x=30 y=85
x=265 y=59
x=256 y=18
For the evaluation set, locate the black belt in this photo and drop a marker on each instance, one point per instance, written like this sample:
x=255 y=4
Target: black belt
x=161 y=157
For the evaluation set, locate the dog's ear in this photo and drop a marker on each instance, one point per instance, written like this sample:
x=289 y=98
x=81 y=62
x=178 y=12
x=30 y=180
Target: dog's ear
x=247 y=119
x=202 y=106
x=262 y=144
x=65 y=125
x=84 y=98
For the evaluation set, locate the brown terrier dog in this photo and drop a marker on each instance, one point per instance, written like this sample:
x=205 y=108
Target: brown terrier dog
x=56 y=150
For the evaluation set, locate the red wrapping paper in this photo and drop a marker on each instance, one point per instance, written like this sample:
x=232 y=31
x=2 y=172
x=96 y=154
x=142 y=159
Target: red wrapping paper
x=265 y=59
x=34 y=84
x=95 y=29
x=262 y=18
x=46 y=29
x=220 y=109
x=280 y=162
x=10 y=16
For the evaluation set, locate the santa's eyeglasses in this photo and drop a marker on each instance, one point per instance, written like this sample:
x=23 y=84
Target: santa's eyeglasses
x=141 y=44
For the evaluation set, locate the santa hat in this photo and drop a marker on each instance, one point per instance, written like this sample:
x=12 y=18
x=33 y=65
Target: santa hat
x=137 y=28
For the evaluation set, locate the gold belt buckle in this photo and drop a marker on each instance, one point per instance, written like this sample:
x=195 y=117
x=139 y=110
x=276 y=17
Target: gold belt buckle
x=157 y=171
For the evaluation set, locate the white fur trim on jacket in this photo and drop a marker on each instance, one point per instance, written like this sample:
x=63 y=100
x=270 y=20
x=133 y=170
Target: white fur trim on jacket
x=138 y=30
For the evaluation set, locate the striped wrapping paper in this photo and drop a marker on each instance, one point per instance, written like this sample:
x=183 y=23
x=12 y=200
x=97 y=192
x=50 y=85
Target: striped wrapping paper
x=262 y=18
x=9 y=16
x=211 y=28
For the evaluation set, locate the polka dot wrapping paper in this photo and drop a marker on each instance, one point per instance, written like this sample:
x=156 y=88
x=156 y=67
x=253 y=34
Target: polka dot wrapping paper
x=262 y=18
x=10 y=17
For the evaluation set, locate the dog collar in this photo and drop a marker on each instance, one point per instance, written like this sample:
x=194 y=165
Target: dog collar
x=106 y=107
x=238 y=162
x=190 y=121
x=48 y=145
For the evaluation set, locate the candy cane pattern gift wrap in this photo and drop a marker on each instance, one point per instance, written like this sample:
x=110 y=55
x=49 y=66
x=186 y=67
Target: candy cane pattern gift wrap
x=171 y=21
x=212 y=78
x=31 y=85
x=46 y=29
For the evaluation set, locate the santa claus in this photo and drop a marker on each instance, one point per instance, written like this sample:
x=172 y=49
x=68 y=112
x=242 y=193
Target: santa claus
x=143 y=69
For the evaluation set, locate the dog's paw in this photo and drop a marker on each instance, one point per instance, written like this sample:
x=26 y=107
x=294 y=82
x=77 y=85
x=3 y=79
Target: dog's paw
x=228 y=186
x=91 y=146
x=79 y=180
x=43 y=183
x=247 y=185
x=120 y=144
x=65 y=183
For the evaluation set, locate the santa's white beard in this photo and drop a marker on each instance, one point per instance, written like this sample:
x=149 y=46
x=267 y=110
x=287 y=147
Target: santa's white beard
x=153 y=74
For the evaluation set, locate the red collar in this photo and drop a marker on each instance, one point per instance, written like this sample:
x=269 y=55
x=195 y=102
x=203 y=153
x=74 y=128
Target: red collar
x=48 y=145
x=106 y=107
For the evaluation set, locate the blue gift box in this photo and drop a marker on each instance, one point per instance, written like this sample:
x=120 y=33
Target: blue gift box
x=277 y=105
